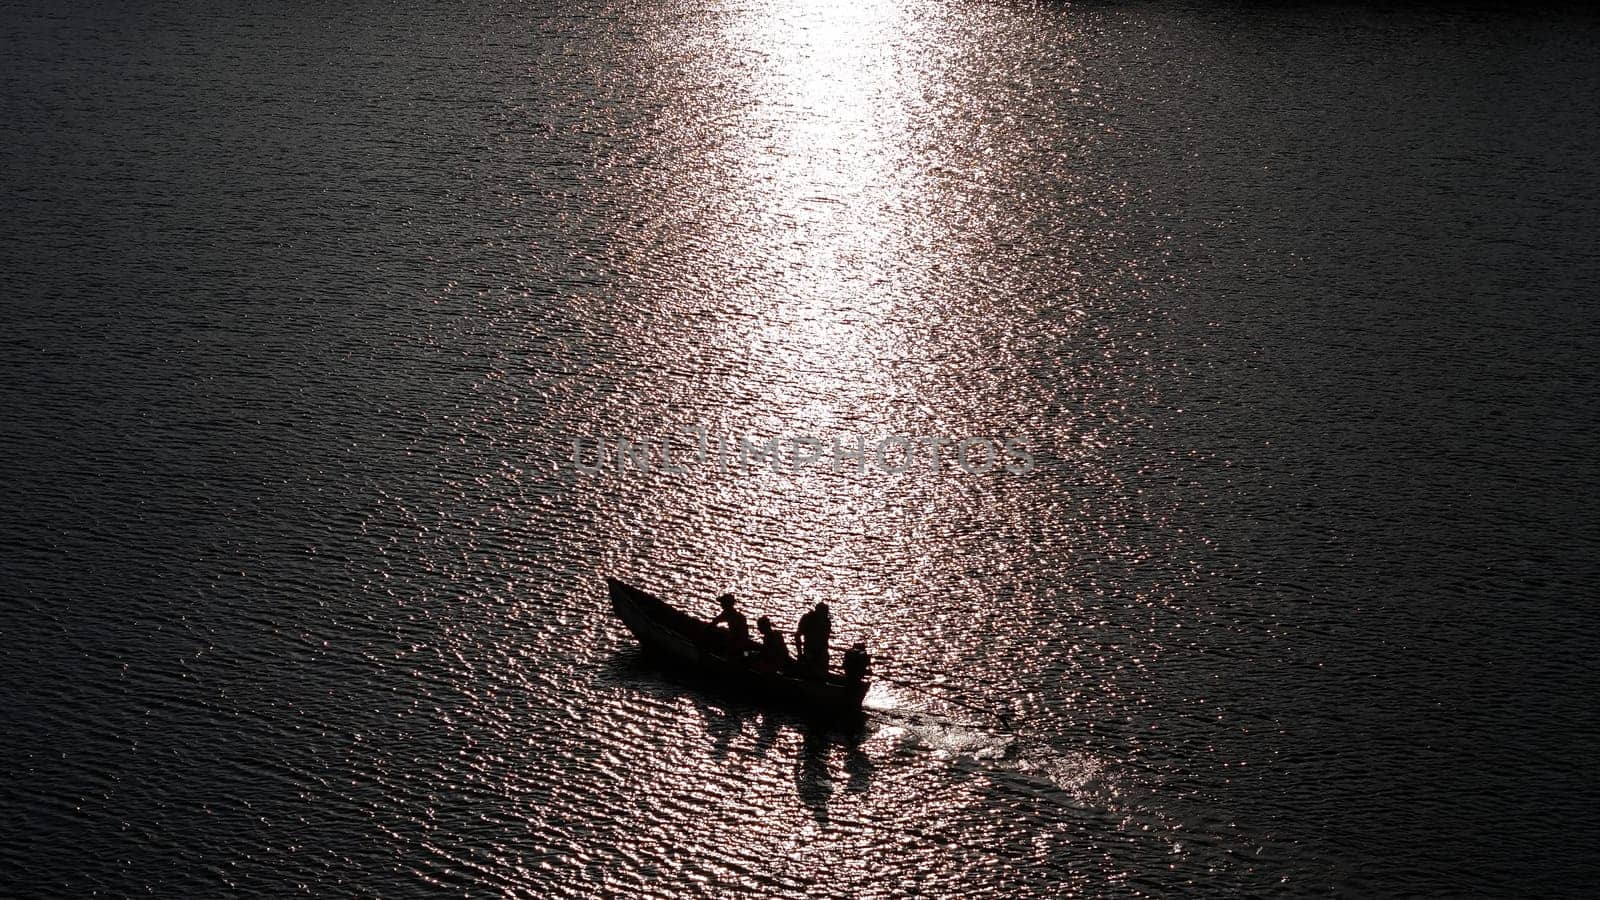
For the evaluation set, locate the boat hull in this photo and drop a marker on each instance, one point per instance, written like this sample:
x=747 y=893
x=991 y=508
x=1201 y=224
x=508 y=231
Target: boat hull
x=686 y=644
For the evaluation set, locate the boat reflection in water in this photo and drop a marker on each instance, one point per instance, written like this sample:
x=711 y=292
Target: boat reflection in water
x=813 y=778
x=740 y=730
x=818 y=768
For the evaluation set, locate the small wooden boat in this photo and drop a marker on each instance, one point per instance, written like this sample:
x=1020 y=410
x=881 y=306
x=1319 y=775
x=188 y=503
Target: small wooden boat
x=680 y=641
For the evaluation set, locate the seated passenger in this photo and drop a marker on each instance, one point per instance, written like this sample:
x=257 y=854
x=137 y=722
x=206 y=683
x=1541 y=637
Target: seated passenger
x=857 y=664
x=737 y=637
x=774 y=654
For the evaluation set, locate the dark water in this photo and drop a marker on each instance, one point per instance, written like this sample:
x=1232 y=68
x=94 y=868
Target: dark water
x=1292 y=306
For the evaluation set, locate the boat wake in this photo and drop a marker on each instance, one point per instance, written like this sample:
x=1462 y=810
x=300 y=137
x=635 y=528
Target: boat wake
x=1013 y=758
x=943 y=738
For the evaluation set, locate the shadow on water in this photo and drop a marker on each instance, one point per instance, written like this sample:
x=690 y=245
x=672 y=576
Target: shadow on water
x=723 y=725
x=813 y=783
x=818 y=767
x=815 y=778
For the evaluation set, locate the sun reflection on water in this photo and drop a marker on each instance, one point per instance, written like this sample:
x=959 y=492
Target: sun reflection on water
x=827 y=274
x=820 y=161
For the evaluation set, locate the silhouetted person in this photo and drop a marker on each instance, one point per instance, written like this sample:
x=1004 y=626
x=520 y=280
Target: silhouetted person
x=857 y=664
x=774 y=652
x=738 y=634
x=811 y=636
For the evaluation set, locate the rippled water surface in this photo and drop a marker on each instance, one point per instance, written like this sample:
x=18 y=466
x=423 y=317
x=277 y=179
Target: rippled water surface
x=1292 y=307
